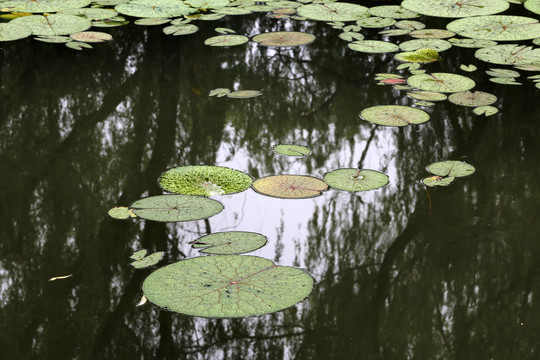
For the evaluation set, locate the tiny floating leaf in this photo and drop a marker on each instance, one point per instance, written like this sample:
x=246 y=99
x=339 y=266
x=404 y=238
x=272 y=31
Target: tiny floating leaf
x=121 y=212
x=230 y=242
x=468 y=68
x=148 y=261
x=438 y=180
x=291 y=150
x=138 y=255
x=485 y=110
x=244 y=94
x=219 y=92
x=355 y=179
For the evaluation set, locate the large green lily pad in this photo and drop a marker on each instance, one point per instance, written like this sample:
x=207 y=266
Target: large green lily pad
x=284 y=38
x=373 y=46
x=290 y=186
x=91 y=13
x=334 y=11
x=533 y=6
x=154 y=8
x=441 y=82
x=54 y=24
x=355 y=179
x=227 y=286
x=10 y=32
x=394 y=115
x=511 y=54
x=204 y=180
x=451 y=168
x=474 y=99
x=230 y=242
x=174 y=208
x=42 y=6
x=456 y=8
x=497 y=27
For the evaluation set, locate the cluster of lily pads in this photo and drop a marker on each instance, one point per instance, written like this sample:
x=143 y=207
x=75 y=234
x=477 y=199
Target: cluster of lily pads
x=445 y=172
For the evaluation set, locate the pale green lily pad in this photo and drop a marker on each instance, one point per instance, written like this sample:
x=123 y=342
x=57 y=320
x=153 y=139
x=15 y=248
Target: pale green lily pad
x=468 y=68
x=427 y=95
x=394 y=115
x=474 y=99
x=409 y=66
x=229 y=243
x=352 y=28
x=78 y=45
x=498 y=72
x=222 y=30
x=291 y=150
x=419 y=71
x=227 y=286
x=11 y=32
x=351 y=36
x=373 y=46
x=290 y=186
x=175 y=208
x=375 y=22
x=180 y=21
x=528 y=67
x=121 y=212
x=356 y=179
x=204 y=180
x=108 y=23
x=260 y=8
x=177 y=30
x=417 y=44
x=381 y=76
x=284 y=4
x=54 y=39
x=151 y=21
x=91 y=13
x=423 y=56
x=455 y=8
x=219 y=92
x=139 y=254
x=42 y=6
x=451 y=168
x=110 y=2
x=337 y=11
x=284 y=38
x=533 y=6
x=244 y=94
x=424 y=103
x=471 y=43
x=232 y=11
x=394 y=32
x=486 y=110
x=154 y=8
x=148 y=261
x=226 y=40
x=431 y=34
x=91 y=36
x=536 y=41
x=441 y=82
x=409 y=25
x=211 y=17
x=497 y=27
x=438 y=180
x=511 y=54
x=207 y=4
x=55 y=24
x=504 y=81
x=393 y=12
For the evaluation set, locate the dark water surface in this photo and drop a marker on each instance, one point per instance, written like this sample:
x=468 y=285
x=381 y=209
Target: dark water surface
x=81 y=132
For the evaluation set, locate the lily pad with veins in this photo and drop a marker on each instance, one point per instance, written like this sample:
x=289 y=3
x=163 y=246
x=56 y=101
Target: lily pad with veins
x=497 y=27
x=394 y=115
x=290 y=186
x=42 y=6
x=356 y=179
x=284 y=38
x=436 y=180
x=54 y=24
x=175 y=208
x=230 y=242
x=373 y=46
x=451 y=168
x=227 y=286
x=455 y=8
x=472 y=98
x=511 y=54
x=441 y=82
x=334 y=11
x=291 y=150
x=226 y=40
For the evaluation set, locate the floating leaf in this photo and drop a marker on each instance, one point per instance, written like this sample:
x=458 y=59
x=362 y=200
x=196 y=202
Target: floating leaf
x=451 y=168
x=355 y=179
x=107 y=23
x=138 y=255
x=173 y=208
x=10 y=32
x=394 y=32
x=375 y=22
x=468 y=98
x=222 y=30
x=148 y=261
x=227 y=286
x=154 y=8
x=471 y=43
x=337 y=11
x=468 y=68
x=485 y=110
x=424 y=103
x=60 y=277
x=373 y=46
x=151 y=21
x=204 y=180
x=455 y=8
x=228 y=243
x=226 y=40
x=393 y=12
x=291 y=150
x=533 y=6
x=431 y=34
x=42 y=6
x=417 y=44
x=91 y=36
x=207 y=4
x=351 y=36
x=528 y=67
x=283 y=38
x=121 y=212
x=352 y=28
x=219 y=92
x=290 y=186
x=409 y=66
x=512 y=54
x=438 y=180
x=394 y=115
x=409 y=25
x=498 y=72
x=90 y=13
x=55 y=24
x=177 y=30
x=497 y=27
x=505 y=81
x=244 y=94
x=419 y=56
x=441 y=82
x=54 y=39
x=427 y=95
x=381 y=76
x=78 y=45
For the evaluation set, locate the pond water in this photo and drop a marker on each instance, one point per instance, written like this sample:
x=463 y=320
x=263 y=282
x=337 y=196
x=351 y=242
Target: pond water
x=400 y=272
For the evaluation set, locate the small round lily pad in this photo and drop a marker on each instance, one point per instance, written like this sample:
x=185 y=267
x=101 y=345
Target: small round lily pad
x=121 y=212
x=244 y=94
x=441 y=82
x=284 y=38
x=393 y=12
x=91 y=36
x=355 y=179
x=474 y=99
x=227 y=286
x=436 y=180
x=451 y=168
x=174 y=208
x=10 y=32
x=204 y=180
x=291 y=150
x=226 y=40
x=427 y=95
x=148 y=261
x=394 y=115
x=373 y=46
x=333 y=11
x=417 y=44
x=375 y=22
x=431 y=34
x=409 y=25
x=290 y=186
x=230 y=242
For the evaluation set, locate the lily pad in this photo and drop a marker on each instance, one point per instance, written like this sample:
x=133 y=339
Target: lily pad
x=497 y=27
x=394 y=115
x=284 y=38
x=431 y=34
x=184 y=29
x=204 y=180
x=505 y=81
x=533 y=6
x=290 y=186
x=54 y=39
x=528 y=67
x=375 y=22
x=423 y=56
x=351 y=36
x=219 y=92
x=498 y=72
x=174 y=208
x=427 y=95
x=226 y=40
x=148 y=261
x=78 y=45
x=451 y=168
x=42 y=6
x=356 y=179
x=151 y=21
x=291 y=150
x=121 y=212
x=441 y=82
x=207 y=4
x=10 y=32
x=474 y=99
x=154 y=8
x=417 y=44
x=424 y=103
x=91 y=13
x=512 y=54
x=91 y=36
x=337 y=11
x=244 y=94
x=438 y=180
x=471 y=43
x=373 y=46
x=486 y=110
x=455 y=8
x=232 y=11
x=393 y=12
x=409 y=25
x=230 y=242
x=227 y=286
x=54 y=24
x=468 y=68
x=139 y=254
